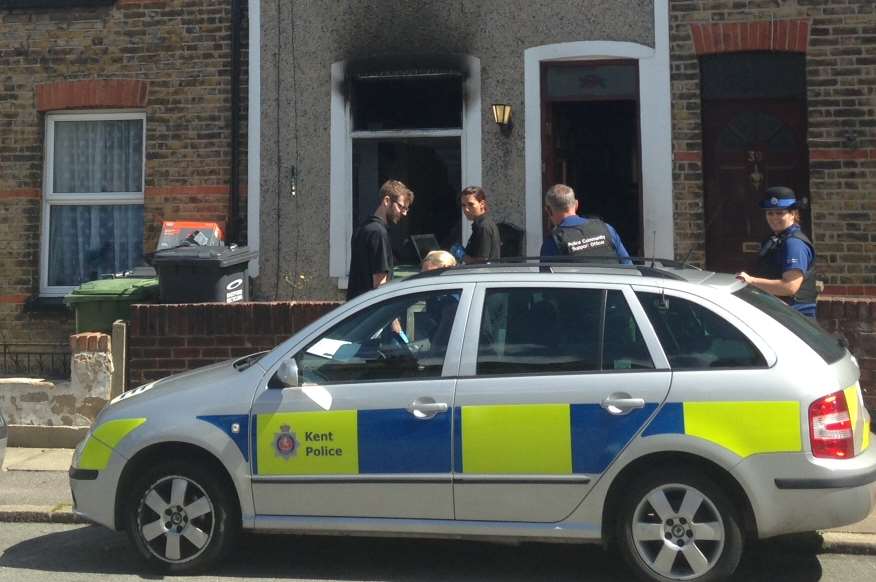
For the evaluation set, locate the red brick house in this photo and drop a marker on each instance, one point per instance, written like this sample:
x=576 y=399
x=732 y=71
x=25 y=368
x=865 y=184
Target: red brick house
x=114 y=116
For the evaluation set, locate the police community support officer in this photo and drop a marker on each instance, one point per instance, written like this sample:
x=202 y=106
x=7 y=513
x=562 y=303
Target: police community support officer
x=786 y=263
x=371 y=259
x=577 y=236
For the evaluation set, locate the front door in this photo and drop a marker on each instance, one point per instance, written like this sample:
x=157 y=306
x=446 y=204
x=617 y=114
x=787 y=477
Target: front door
x=754 y=137
x=367 y=433
x=590 y=141
x=554 y=382
x=750 y=146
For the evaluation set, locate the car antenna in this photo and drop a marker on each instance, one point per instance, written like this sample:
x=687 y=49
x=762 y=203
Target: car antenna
x=687 y=257
x=653 y=246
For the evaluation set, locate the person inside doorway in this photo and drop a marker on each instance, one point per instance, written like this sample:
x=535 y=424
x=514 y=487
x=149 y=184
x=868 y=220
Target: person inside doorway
x=786 y=262
x=576 y=236
x=484 y=243
x=371 y=258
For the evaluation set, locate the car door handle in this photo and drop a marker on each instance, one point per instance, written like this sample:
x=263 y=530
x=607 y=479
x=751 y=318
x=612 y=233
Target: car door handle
x=426 y=408
x=619 y=404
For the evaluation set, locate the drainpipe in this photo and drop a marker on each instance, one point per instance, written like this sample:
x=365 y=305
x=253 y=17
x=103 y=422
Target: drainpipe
x=234 y=221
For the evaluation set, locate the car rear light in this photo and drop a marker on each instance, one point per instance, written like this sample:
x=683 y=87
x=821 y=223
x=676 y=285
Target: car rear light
x=830 y=427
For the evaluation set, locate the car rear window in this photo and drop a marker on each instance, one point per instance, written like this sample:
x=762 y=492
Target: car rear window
x=696 y=338
x=825 y=345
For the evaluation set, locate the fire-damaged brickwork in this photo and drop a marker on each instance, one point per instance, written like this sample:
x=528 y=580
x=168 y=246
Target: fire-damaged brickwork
x=839 y=43
x=170 y=59
x=166 y=339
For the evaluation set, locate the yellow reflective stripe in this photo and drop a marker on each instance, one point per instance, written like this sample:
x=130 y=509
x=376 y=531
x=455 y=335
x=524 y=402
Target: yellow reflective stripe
x=866 y=441
x=326 y=443
x=852 y=402
x=746 y=428
x=112 y=432
x=517 y=439
x=99 y=447
x=95 y=455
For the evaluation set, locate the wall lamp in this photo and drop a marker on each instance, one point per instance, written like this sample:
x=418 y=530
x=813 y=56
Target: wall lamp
x=502 y=116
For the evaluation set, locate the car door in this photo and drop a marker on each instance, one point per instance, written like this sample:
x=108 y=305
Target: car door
x=367 y=430
x=555 y=380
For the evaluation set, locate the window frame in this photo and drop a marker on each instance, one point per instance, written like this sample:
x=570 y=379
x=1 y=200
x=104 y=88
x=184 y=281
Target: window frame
x=468 y=363
x=341 y=157
x=756 y=340
x=52 y=198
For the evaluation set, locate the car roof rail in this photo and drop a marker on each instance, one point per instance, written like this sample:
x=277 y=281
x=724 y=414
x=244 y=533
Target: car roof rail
x=646 y=266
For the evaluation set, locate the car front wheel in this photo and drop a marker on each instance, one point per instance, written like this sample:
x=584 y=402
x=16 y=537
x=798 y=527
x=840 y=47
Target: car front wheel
x=181 y=517
x=679 y=526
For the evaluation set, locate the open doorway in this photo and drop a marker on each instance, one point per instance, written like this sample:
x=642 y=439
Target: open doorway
x=591 y=142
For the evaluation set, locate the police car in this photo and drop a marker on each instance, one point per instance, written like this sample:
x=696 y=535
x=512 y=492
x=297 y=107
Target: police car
x=671 y=413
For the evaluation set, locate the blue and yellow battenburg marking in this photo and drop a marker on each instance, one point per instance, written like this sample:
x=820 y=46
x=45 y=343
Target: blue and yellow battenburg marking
x=536 y=439
x=745 y=428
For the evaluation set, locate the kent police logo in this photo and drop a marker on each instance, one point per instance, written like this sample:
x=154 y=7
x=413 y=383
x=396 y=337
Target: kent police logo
x=774 y=201
x=285 y=443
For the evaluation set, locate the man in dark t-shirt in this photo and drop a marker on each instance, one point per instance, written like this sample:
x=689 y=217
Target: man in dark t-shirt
x=484 y=243
x=371 y=259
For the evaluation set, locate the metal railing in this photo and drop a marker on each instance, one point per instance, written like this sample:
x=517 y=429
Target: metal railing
x=44 y=360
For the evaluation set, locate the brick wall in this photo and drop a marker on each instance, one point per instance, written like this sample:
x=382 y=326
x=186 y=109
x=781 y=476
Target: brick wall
x=855 y=320
x=166 y=339
x=840 y=48
x=177 y=53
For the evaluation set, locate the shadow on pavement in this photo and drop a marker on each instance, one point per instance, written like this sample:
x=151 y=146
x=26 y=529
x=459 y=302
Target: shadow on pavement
x=96 y=550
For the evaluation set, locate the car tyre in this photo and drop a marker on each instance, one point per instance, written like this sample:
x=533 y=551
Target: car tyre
x=182 y=517
x=679 y=525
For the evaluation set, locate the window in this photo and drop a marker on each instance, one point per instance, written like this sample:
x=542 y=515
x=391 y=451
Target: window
x=402 y=338
x=408 y=127
x=548 y=330
x=827 y=346
x=695 y=338
x=93 y=203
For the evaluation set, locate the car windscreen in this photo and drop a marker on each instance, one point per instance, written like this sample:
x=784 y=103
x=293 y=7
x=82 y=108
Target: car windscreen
x=825 y=345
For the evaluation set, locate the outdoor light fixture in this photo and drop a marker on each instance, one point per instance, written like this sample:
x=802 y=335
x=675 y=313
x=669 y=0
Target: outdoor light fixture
x=502 y=116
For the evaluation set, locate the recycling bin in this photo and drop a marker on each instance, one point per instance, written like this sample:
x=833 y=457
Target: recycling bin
x=196 y=274
x=97 y=304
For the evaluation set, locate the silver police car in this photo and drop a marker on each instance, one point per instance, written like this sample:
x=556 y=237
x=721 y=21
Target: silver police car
x=671 y=413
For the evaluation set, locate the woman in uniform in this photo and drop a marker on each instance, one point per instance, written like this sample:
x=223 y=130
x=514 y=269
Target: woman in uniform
x=786 y=263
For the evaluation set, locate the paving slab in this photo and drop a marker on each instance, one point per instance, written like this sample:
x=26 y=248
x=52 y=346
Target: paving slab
x=27 y=459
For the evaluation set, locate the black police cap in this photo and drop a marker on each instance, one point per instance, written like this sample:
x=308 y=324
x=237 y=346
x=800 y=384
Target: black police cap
x=779 y=197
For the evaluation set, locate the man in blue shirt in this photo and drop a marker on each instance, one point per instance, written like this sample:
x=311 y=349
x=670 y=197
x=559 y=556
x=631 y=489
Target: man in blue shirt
x=576 y=236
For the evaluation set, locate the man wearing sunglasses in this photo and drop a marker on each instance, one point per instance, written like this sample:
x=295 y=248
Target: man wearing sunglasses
x=371 y=259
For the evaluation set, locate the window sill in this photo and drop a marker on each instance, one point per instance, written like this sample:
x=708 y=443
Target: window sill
x=37 y=304
x=54 y=3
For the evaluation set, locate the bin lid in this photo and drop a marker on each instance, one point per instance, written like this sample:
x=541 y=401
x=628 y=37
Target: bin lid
x=122 y=289
x=219 y=256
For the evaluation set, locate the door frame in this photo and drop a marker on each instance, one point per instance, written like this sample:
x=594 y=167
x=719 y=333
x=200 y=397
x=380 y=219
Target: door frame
x=655 y=129
x=547 y=140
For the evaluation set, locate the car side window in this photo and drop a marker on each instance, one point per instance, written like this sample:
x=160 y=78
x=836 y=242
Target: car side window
x=696 y=338
x=624 y=348
x=548 y=330
x=404 y=337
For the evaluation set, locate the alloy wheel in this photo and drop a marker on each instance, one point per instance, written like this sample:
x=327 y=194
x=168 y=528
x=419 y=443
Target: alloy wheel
x=678 y=532
x=176 y=519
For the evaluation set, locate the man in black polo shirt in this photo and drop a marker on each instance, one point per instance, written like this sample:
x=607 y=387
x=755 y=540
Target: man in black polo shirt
x=371 y=258
x=484 y=243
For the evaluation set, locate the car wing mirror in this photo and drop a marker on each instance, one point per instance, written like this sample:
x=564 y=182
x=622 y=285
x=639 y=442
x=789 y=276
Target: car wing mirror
x=287 y=374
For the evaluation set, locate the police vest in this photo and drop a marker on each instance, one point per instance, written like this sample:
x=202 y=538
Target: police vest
x=770 y=264
x=591 y=239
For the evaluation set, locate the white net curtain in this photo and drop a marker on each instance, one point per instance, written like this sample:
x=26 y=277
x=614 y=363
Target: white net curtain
x=90 y=239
